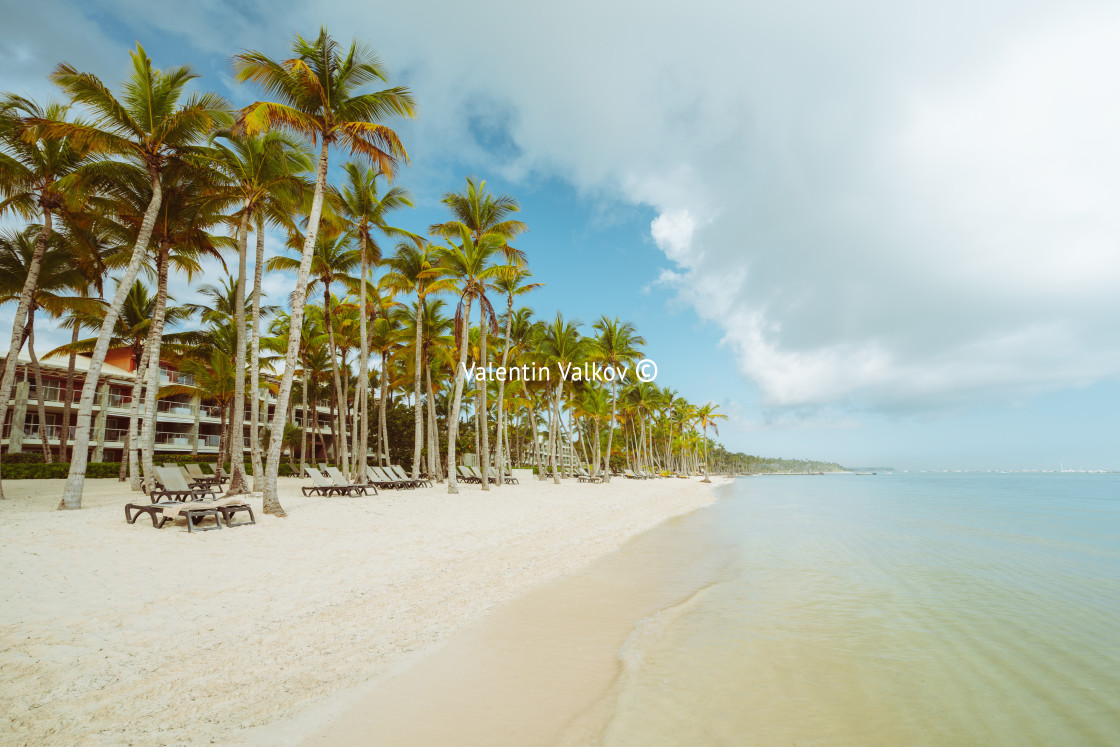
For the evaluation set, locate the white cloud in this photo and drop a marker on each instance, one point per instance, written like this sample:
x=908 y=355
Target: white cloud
x=881 y=204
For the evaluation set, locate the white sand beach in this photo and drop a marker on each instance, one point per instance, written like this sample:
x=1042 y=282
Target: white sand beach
x=113 y=633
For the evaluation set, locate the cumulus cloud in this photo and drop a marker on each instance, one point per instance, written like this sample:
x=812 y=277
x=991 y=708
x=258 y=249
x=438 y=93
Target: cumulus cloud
x=881 y=205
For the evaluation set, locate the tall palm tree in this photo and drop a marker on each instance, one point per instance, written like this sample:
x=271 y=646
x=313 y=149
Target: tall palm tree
x=617 y=345
x=262 y=170
x=510 y=283
x=470 y=266
x=318 y=99
x=707 y=416
x=147 y=125
x=361 y=201
x=415 y=269
x=36 y=175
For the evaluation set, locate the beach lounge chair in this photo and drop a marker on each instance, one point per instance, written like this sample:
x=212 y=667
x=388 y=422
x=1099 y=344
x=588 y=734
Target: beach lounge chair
x=172 y=484
x=197 y=475
x=322 y=486
x=354 y=488
x=630 y=475
x=584 y=476
x=466 y=475
x=397 y=470
x=222 y=477
x=193 y=511
x=384 y=478
x=478 y=475
x=508 y=477
x=381 y=480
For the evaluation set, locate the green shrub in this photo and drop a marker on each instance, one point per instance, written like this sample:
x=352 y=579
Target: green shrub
x=24 y=457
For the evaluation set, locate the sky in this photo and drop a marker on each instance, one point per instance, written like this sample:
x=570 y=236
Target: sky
x=874 y=233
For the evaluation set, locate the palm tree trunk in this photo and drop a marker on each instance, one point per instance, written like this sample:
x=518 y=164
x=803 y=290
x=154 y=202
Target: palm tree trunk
x=306 y=428
x=37 y=372
x=237 y=483
x=418 y=413
x=382 y=428
x=457 y=402
x=434 y=471
x=484 y=415
x=155 y=340
x=502 y=391
x=363 y=372
x=554 y=433
x=75 y=481
x=610 y=432
x=67 y=409
x=707 y=469
x=272 y=467
x=124 y=458
x=255 y=363
x=30 y=285
x=339 y=441
x=133 y=446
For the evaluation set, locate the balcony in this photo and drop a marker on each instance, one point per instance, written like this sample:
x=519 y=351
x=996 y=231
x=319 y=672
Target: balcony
x=173 y=438
x=176 y=409
x=119 y=401
x=166 y=376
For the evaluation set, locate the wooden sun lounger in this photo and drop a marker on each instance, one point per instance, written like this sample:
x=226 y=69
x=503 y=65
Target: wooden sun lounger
x=465 y=475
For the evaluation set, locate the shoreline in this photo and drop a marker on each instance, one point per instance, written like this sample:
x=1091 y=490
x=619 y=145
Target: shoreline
x=117 y=632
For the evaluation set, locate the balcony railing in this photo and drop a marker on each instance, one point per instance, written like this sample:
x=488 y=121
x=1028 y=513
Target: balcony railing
x=172 y=407
x=210 y=411
x=175 y=377
x=52 y=393
x=172 y=438
x=120 y=401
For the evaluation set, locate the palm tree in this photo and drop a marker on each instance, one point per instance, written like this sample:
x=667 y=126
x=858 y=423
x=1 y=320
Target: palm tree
x=707 y=415
x=510 y=283
x=367 y=209
x=181 y=234
x=57 y=274
x=481 y=212
x=150 y=127
x=318 y=99
x=562 y=347
x=331 y=260
x=616 y=346
x=35 y=169
x=415 y=269
x=263 y=170
x=469 y=266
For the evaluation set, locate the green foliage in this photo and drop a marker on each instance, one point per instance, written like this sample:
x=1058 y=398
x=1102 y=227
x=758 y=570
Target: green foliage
x=24 y=457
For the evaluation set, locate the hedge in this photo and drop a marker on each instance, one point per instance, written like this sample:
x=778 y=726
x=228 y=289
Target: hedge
x=59 y=470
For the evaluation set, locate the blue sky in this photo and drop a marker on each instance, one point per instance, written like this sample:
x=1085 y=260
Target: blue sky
x=877 y=235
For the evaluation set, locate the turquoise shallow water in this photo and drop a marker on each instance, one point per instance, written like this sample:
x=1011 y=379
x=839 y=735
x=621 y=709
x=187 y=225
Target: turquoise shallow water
x=893 y=609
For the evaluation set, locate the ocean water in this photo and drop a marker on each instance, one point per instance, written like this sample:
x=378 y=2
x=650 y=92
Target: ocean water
x=896 y=609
